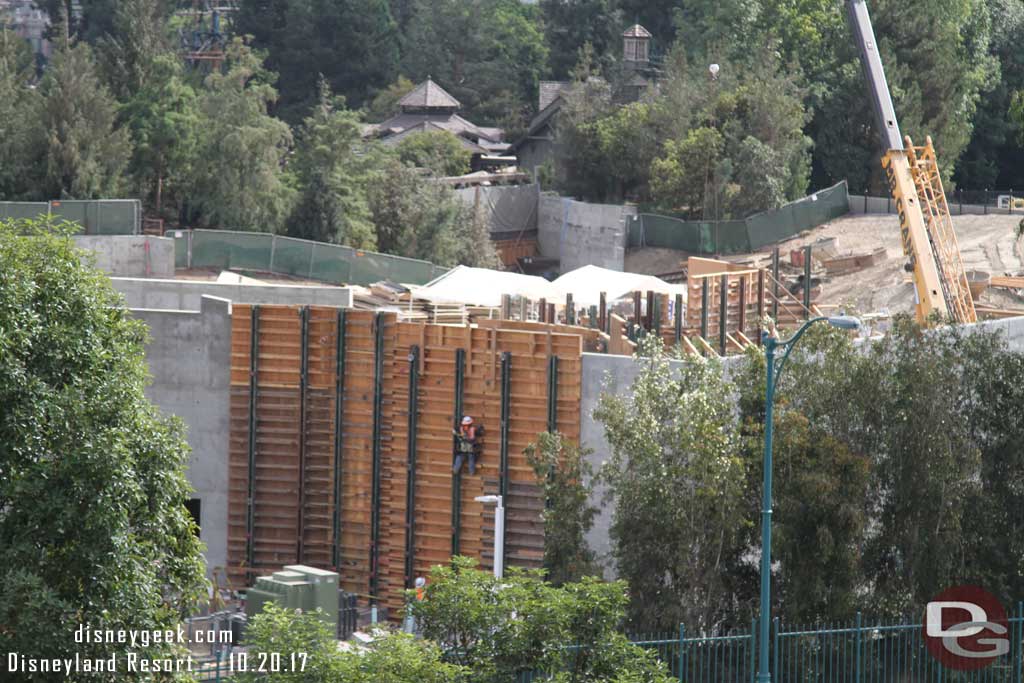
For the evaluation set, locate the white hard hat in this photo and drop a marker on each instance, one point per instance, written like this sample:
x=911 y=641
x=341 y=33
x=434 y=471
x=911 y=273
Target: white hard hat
x=420 y=582
x=467 y=420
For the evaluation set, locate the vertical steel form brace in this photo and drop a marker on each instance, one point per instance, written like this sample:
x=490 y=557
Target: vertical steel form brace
x=677 y=314
x=250 y=518
x=460 y=369
x=506 y=418
x=704 y=296
x=303 y=385
x=378 y=400
x=339 y=414
x=410 y=466
x=553 y=394
x=723 y=314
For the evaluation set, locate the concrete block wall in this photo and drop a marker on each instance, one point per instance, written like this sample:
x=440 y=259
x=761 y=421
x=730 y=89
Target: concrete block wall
x=185 y=295
x=579 y=233
x=189 y=356
x=131 y=255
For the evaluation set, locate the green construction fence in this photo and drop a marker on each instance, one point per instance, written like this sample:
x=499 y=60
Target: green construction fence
x=264 y=252
x=96 y=216
x=737 y=237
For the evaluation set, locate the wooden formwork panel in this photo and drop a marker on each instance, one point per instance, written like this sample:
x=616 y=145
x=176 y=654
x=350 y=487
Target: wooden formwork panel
x=296 y=442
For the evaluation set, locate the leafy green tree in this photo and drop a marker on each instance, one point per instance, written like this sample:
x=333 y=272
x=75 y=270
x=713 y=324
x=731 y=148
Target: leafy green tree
x=352 y=45
x=566 y=476
x=680 y=179
x=385 y=104
x=676 y=480
x=137 y=39
x=439 y=152
x=93 y=526
x=18 y=108
x=238 y=181
x=86 y=152
x=277 y=631
x=164 y=118
x=333 y=205
x=399 y=658
x=417 y=217
x=500 y=629
x=489 y=54
x=571 y=24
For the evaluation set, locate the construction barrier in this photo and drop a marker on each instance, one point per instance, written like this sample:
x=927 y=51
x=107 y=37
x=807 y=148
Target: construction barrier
x=264 y=252
x=96 y=216
x=739 y=236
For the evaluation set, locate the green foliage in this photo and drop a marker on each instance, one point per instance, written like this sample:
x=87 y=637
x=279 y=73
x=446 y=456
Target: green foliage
x=399 y=658
x=333 y=205
x=238 y=180
x=501 y=628
x=676 y=479
x=571 y=24
x=93 y=527
x=566 y=475
x=419 y=218
x=489 y=54
x=85 y=152
x=680 y=178
x=385 y=104
x=164 y=118
x=440 y=152
x=18 y=107
x=353 y=46
x=283 y=632
x=138 y=37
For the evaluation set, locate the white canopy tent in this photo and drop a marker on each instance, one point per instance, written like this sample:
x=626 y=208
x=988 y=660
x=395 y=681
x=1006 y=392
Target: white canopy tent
x=586 y=284
x=484 y=287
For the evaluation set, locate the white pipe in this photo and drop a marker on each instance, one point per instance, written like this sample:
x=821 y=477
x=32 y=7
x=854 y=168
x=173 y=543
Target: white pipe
x=499 y=538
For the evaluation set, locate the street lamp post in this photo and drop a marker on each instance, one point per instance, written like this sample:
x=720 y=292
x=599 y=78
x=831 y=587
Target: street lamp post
x=771 y=344
x=499 y=532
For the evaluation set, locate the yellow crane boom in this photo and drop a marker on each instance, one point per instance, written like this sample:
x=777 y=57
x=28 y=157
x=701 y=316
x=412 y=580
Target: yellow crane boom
x=926 y=229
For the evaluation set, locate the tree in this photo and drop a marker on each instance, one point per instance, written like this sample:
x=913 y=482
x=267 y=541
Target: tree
x=137 y=40
x=489 y=54
x=680 y=178
x=385 y=104
x=571 y=24
x=333 y=205
x=419 y=218
x=165 y=121
x=440 y=152
x=18 y=107
x=676 y=481
x=351 y=45
x=86 y=152
x=562 y=469
x=500 y=629
x=277 y=631
x=93 y=525
x=238 y=181
x=399 y=658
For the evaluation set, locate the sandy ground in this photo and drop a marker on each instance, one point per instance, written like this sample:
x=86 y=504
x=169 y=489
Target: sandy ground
x=987 y=243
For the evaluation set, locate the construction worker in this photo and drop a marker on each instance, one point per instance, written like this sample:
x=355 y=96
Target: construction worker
x=465 y=445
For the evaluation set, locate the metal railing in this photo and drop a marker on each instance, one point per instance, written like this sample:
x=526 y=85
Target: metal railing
x=853 y=652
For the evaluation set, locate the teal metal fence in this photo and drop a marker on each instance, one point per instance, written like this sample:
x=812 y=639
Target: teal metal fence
x=264 y=252
x=889 y=651
x=96 y=216
x=739 y=236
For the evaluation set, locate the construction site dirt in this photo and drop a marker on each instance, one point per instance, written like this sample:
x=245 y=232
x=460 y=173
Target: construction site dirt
x=989 y=243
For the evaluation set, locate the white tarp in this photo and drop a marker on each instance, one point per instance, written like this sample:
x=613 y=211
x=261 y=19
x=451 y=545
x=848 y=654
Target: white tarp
x=484 y=287
x=586 y=284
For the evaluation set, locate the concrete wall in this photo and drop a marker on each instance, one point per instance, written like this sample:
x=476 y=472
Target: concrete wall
x=131 y=255
x=579 y=233
x=184 y=295
x=615 y=374
x=189 y=356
